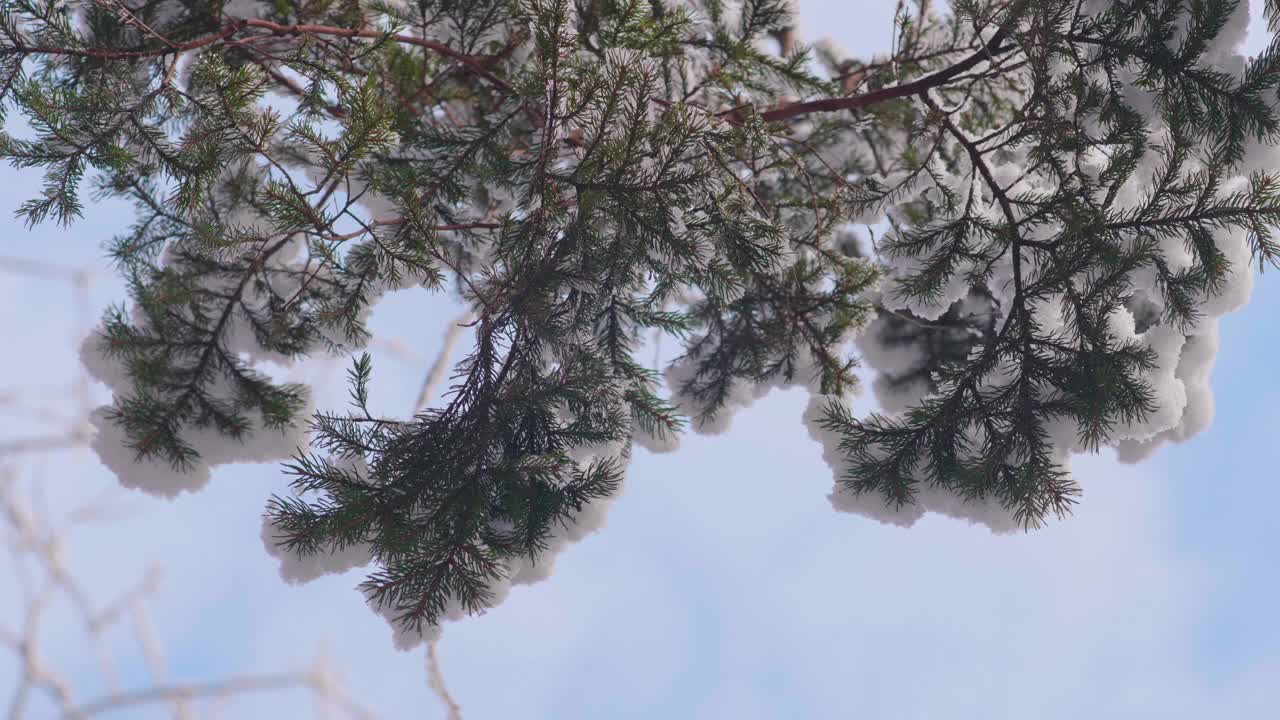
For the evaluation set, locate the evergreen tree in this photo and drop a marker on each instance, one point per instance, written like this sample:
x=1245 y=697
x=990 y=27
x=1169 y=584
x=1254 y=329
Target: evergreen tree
x=1070 y=191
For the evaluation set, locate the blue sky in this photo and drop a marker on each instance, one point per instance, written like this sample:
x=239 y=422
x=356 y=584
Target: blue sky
x=724 y=585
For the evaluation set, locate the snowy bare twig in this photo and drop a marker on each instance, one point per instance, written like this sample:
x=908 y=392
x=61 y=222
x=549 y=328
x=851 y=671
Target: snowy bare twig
x=435 y=677
x=37 y=544
x=441 y=364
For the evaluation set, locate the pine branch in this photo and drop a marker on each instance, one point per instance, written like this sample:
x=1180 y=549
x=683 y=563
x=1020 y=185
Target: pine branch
x=585 y=176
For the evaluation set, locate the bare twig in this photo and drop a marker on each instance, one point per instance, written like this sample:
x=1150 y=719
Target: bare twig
x=435 y=680
x=37 y=545
x=441 y=364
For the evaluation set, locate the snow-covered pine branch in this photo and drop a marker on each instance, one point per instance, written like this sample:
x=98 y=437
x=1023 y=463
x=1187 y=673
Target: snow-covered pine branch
x=1026 y=219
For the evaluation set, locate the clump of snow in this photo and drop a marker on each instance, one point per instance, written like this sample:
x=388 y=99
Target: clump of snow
x=885 y=358
x=955 y=288
x=929 y=499
x=259 y=444
x=297 y=569
x=403 y=638
x=1240 y=279
x=592 y=517
x=656 y=444
x=1194 y=365
x=741 y=395
x=1167 y=344
x=518 y=571
x=524 y=570
x=1184 y=357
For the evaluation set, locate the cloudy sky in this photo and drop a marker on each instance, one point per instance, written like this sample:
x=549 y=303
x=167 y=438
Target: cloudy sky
x=724 y=585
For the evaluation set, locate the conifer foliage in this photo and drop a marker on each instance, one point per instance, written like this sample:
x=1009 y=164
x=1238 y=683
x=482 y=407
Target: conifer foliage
x=1067 y=190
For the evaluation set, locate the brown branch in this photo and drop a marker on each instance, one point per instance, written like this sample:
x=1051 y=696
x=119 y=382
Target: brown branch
x=109 y=54
x=995 y=46
x=478 y=64
x=295 y=89
x=401 y=221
